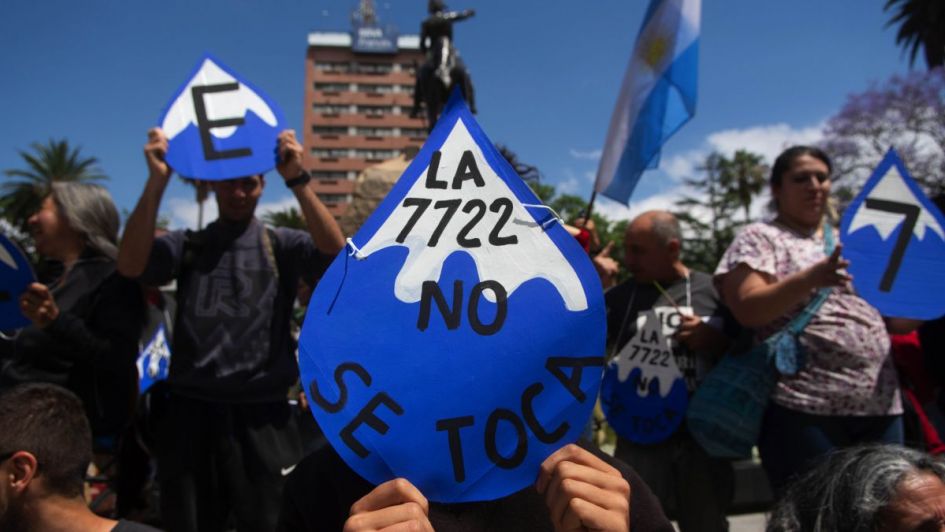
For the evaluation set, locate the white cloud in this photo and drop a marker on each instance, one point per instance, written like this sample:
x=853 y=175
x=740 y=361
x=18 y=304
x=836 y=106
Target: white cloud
x=767 y=140
x=682 y=165
x=590 y=155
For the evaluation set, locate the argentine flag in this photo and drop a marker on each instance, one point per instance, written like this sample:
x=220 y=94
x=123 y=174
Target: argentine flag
x=657 y=97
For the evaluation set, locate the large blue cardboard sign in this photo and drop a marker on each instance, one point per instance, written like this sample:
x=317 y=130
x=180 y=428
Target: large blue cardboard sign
x=15 y=276
x=893 y=237
x=461 y=340
x=220 y=126
x=643 y=393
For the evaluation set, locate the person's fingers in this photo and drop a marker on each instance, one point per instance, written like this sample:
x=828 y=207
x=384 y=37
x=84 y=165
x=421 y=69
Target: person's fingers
x=570 y=453
x=577 y=480
x=381 y=519
x=410 y=526
x=390 y=493
x=835 y=256
x=584 y=515
x=608 y=249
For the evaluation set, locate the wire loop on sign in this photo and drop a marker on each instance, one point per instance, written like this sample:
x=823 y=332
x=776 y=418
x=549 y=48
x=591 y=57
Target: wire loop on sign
x=554 y=215
x=355 y=250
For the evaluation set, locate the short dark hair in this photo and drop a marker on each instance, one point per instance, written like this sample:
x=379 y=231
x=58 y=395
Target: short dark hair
x=49 y=422
x=849 y=489
x=787 y=157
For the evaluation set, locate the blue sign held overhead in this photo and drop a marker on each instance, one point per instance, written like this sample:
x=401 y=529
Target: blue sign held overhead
x=220 y=126
x=461 y=340
x=154 y=361
x=15 y=276
x=894 y=238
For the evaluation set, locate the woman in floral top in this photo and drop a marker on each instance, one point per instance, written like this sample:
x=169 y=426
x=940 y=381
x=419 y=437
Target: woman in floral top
x=847 y=392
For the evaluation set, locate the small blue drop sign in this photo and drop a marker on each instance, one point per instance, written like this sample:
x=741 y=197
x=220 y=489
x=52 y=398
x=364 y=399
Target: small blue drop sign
x=894 y=238
x=220 y=126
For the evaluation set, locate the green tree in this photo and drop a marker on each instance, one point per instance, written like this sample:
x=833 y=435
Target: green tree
x=289 y=217
x=743 y=178
x=707 y=219
x=921 y=25
x=45 y=164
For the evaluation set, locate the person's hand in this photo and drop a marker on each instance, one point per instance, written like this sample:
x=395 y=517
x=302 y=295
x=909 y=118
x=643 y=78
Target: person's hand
x=290 y=155
x=154 y=153
x=583 y=492
x=38 y=305
x=696 y=334
x=829 y=272
x=394 y=505
x=607 y=268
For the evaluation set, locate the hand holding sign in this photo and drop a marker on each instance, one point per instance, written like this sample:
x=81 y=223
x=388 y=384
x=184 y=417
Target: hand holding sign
x=583 y=492
x=394 y=505
x=155 y=153
x=828 y=272
x=290 y=155
x=38 y=305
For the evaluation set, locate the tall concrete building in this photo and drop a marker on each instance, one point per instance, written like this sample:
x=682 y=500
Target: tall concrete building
x=358 y=95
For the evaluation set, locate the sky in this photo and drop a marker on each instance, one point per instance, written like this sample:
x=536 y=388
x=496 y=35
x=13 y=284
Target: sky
x=99 y=73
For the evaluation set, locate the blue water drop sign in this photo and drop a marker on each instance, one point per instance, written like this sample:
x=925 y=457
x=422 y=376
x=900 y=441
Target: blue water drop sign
x=15 y=276
x=643 y=393
x=154 y=361
x=219 y=126
x=460 y=340
x=894 y=238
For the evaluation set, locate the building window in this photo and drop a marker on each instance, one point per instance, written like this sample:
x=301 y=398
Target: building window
x=406 y=88
x=330 y=130
x=408 y=67
x=329 y=174
x=376 y=154
x=330 y=109
x=374 y=131
x=375 y=89
x=413 y=132
x=333 y=66
x=374 y=68
x=329 y=153
x=332 y=87
x=375 y=110
x=333 y=198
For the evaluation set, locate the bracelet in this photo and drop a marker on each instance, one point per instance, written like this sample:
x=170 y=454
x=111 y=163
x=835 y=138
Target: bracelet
x=301 y=179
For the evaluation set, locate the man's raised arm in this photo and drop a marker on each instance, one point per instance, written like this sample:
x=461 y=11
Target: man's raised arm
x=321 y=224
x=136 y=243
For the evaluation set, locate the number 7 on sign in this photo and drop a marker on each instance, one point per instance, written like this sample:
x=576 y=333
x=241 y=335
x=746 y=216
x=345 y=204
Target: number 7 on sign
x=911 y=213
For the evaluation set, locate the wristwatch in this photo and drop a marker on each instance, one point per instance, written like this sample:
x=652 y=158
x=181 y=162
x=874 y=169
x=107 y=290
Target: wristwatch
x=300 y=179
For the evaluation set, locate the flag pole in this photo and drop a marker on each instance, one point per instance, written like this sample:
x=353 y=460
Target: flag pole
x=590 y=208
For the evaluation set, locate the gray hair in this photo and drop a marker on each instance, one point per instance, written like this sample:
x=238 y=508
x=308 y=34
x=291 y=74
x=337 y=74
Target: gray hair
x=89 y=209
x=849 y=489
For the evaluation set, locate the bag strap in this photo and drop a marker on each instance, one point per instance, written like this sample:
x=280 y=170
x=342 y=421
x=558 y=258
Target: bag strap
x=797 y=325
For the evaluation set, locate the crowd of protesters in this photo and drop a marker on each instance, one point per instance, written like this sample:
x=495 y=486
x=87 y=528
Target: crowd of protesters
x=227 y=446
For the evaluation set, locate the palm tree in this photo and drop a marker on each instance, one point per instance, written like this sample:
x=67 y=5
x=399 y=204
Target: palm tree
x=290 y=217
x=921 y=23
x=45 y=164
x=743 y=178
